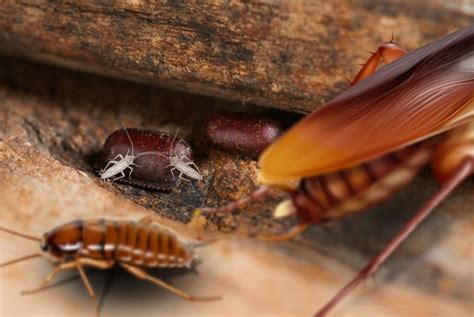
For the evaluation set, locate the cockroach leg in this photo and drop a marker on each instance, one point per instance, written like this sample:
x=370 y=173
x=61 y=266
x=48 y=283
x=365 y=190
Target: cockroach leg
x=95 y=263
x=122 y=175
x=463 y=171
x=114 y=161
x=184 y=179
x=388 y=52
x=295 y=231
x=131 y=171
x=141 y=274
x=51 y=275
x=100 y=264
x=86 y=282
x=191 y=163
x=67 y=266
x=261 y=192
x=171 y=171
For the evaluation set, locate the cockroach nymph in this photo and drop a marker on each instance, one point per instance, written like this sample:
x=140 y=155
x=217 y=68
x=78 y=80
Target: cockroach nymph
x=363 y=146
x=182 y=163
x=241 y=133
x=120 y=163
x=103 y=243
x=146 y=153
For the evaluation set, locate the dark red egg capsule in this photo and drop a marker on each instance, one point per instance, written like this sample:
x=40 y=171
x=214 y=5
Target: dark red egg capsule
x=142 y=158
x=241 y=133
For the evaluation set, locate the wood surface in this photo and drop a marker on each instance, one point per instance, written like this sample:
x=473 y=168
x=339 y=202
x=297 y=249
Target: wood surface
x=52 y=125
x=294 y=55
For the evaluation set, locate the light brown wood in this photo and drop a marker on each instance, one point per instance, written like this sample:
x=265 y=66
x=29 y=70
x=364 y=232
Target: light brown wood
x=290 y=54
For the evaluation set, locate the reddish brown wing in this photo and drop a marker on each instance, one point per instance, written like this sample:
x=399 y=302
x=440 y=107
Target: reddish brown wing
x=428 y=91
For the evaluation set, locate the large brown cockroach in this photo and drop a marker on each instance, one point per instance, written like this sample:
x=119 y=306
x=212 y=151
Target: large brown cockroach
x=102 y=243
x=370 y=141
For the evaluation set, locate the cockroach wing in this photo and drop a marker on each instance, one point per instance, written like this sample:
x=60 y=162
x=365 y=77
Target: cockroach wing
x=426 y=92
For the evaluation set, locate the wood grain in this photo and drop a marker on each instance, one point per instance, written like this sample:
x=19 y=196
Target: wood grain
x=293 y=55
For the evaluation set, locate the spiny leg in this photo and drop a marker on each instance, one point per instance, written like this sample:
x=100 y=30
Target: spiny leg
x=461 y=174
x=256 y=195
x=290 y=234
x=145 y=276
x=388 y=52
x=94 y=263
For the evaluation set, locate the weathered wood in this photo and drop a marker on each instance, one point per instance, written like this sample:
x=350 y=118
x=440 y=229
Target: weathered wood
x=53 y=122
x=290 y=54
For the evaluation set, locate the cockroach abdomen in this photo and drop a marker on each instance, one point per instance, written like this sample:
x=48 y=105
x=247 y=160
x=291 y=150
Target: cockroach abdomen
x=241 y=133
x=151 y=150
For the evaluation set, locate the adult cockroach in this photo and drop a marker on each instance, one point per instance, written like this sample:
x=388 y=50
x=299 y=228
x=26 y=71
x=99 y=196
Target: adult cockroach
x=103 y=243
x=372 y=140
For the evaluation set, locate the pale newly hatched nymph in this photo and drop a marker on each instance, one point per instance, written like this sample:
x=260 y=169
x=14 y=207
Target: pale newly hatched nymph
x=182 y=163
x=120 y=163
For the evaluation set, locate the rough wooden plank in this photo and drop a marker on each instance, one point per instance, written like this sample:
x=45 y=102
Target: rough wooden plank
x=53 y=121
x=289 y=54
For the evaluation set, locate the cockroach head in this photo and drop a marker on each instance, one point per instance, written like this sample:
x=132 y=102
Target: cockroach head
x=44 y=243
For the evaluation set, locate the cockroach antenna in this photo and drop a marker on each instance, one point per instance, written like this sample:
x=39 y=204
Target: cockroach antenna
x=392 y=38
x=19 y=234
x=25 y=236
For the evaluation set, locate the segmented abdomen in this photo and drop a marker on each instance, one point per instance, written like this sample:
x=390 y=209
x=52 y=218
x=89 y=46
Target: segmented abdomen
x=337 y=194
x=133 y=242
